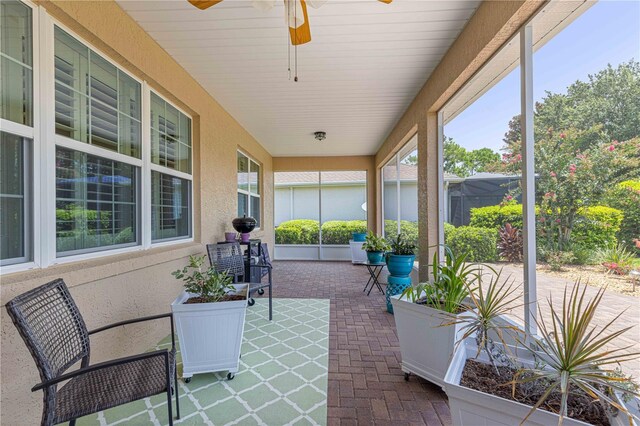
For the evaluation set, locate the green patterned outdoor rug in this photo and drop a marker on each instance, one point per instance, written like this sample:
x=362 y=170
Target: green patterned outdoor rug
x=282 y=378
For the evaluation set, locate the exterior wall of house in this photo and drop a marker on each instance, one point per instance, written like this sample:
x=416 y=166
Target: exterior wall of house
x=310 y=164
x=494 y=23
x=118 y=287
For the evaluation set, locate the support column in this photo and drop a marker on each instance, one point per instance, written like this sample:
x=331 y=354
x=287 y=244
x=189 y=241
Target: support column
x=528 y=179
x=428 y=205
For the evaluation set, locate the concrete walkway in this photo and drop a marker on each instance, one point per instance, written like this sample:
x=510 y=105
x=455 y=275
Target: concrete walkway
x=612 y=304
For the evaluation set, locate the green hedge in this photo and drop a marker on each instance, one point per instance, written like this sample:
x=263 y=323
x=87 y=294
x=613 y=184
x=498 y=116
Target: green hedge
x=479 y=243
x=595 y=227
x=298 y=231
x=626 y=198
x=408 y=229
x=339 y=231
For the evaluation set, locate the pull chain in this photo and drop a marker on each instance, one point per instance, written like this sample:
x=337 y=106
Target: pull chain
x=295 y=11
x=288 y=38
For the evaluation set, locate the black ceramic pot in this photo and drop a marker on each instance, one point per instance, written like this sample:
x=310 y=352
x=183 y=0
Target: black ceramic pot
x=244 y=224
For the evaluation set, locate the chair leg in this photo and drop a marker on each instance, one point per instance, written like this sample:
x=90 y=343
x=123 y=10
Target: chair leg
x=72 y=422
x=175 y=384
x=169 y=406
x=270 y=298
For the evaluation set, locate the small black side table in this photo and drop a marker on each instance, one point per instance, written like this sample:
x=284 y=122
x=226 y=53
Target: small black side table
x=374 y=273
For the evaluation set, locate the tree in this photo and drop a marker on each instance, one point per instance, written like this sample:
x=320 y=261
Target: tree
x=463 y=163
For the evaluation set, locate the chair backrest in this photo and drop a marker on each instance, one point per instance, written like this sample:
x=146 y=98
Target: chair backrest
x=266 y=259
x=52 y=328
x=227 y=257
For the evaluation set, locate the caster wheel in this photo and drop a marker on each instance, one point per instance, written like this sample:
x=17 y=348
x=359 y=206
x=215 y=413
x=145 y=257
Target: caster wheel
x=230 y=376
x=251 y=302
x=187 y=379
x=261 y=291
x=406 y=376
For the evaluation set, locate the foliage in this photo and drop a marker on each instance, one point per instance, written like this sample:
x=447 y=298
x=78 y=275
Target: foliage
x=596 y=226
x=626 y=197
x=573 y=354
x=480 y=244
x=339 y=231
x=298 y=231
x=401 y=246
x=408 y=229
x=448 y=228
x=510 y=243
x=375 y=243
x=609 y=99
x=497 y=216
x=209 y=284
x=616 y=259
x=557 y=259
x=452 y=281
x=463 y=163
x=484 y=322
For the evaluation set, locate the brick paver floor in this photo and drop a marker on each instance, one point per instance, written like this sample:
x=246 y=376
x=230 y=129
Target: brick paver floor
x=366 y=385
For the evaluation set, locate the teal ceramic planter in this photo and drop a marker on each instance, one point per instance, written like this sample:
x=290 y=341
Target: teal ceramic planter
x=395 y=285
x=359 y=236
x=375 y=256
x=400 y=265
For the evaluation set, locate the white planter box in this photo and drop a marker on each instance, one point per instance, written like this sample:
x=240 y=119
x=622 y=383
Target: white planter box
x=357 y=254
x=426 y=345
x=471 y=407
x=210 y=334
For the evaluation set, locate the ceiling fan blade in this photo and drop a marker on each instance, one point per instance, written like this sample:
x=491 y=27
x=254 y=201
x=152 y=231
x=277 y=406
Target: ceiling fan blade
x=301 y=34
x=386 y=1
x=204 y=4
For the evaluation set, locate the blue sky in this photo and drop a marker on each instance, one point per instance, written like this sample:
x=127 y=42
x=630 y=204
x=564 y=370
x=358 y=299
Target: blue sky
x=607 y=33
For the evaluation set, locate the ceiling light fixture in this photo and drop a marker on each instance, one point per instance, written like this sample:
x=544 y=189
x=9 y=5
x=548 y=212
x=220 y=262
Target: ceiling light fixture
x=320 y=135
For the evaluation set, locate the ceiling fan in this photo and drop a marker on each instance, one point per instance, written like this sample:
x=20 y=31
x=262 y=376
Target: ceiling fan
x=295 y=14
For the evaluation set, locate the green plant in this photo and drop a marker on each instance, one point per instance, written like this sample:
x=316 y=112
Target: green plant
x=626 y=197
x=374 y=243
x=510 y=244
x=489 y=305
x=208 y=284
x=298 y=231
x=573 y=355
x=497 y=216
x=557 y=259
x=339 y=231
x=400 y=246
x=452 y=281
x=408 y=229
x=616 y=259
x=480 y=244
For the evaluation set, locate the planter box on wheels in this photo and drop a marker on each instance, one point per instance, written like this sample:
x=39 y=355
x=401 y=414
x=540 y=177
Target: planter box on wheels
x=426 y=345
x=210 y=334
x=470 y=407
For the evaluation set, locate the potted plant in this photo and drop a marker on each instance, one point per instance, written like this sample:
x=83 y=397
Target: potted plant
x=425 y=317
x=209 y=316
x=375 y=247
x=401 y=257
x=563 y=376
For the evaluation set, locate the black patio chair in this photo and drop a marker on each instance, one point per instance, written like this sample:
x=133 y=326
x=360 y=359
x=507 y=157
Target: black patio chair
x=55 y=333
x=229 y=258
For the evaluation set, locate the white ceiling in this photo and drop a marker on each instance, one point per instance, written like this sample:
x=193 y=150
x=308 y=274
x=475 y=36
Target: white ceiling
x=364 y=65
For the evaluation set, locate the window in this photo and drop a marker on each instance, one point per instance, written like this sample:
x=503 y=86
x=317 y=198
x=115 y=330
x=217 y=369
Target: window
x=14 y=200
x=16 y=63
x=170 y=136
x=249 y=188
x=95 y=203
x=171 y=171
x=170 y=207
x=96 y=102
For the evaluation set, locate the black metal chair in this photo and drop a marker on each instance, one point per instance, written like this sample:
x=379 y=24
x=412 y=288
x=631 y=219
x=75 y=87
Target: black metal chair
x=55 y=333
x=229 y=258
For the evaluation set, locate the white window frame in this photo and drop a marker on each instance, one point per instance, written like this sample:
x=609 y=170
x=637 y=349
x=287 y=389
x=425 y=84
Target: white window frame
x=32 y=175
x=150 y=166
x=249 y=193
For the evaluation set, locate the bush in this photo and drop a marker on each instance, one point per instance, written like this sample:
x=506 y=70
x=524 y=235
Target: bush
x=479 y=243
x=448 y=228
x=298 y=231
x=595 y=227
x=626 y=197
x=339 y=231
x=409 y=231
x=495 y=217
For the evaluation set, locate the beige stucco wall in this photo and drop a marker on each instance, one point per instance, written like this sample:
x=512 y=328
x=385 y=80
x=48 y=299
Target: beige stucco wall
x=115 y=288
x=314 y=164
x=493 y=24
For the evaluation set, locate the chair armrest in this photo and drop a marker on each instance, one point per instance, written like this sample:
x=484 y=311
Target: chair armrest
x=162 y=352
x=132 y=321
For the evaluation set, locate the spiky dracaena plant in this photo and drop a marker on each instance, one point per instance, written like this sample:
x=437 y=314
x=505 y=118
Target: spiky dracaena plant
x=574 y=354
x=510 y=243
x=488 y=306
